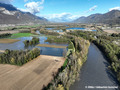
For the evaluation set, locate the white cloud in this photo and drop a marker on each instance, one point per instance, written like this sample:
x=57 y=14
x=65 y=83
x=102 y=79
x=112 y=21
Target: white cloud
x=93 y=8
x=6 y=1
x=33 y=7
x=63 y=17
x=25 y=0
x=115 y=8
x=42 y=1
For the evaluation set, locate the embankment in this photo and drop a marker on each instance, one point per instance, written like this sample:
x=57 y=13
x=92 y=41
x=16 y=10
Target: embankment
x=69 y=72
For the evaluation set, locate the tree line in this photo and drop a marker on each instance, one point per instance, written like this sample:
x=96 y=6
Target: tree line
x=18 y=57
x=105 y=43
x=5 y=35
x=69 y=72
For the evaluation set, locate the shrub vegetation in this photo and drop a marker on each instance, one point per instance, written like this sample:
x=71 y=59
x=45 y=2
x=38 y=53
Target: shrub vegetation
x=34 y=41
x=6 y=35
x=17 y=57
x=106 y=45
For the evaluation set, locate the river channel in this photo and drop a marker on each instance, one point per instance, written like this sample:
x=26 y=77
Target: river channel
x=95 y=73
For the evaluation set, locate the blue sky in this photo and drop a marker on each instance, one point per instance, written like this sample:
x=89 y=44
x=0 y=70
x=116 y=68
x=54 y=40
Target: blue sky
x=65 y=10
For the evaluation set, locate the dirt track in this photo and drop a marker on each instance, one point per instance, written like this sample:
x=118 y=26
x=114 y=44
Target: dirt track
x=14 y=31
x=31 y=76
x=112 y=31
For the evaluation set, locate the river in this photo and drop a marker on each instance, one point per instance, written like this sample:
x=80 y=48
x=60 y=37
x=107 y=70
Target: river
x=95 y=72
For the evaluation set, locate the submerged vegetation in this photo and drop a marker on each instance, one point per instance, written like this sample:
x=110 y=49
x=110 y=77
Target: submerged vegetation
x=16 y=57
x=49 y=33
x=34 y=41
x=57 y=39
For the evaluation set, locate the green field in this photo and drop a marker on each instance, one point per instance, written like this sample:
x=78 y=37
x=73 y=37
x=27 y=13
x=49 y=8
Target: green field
x=17 y=35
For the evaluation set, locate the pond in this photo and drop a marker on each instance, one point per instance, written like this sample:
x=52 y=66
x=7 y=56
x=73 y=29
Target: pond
x=44 y=50
x=78 y=28
x=75 y=28
x=54 y=30
x=49 y=28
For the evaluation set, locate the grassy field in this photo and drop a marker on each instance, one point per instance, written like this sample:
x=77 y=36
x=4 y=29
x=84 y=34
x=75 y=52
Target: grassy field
x=55 y=39
x=17 y=35
x=22 y=27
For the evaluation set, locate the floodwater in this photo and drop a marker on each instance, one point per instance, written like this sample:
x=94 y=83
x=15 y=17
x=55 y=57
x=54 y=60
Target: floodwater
x=75 y=28
x=78 y=28
x=44 y=50
x=95 y=73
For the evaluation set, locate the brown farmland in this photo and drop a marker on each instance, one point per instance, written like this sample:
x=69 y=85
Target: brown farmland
x=112 y=31
x=8 y=40
x=52 y=46
x=31 y=76
x=10 y=31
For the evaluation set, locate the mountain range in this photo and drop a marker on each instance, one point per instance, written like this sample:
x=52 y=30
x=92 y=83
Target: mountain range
x=111 y=17
x=11 y=15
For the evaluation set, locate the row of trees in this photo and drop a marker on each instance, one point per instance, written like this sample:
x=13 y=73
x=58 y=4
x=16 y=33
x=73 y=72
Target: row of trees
x=69 y=72
x=5 y=35
x=34 y=41
x=106 y=45
x=18 y=57
x=112 y=52
x=115 y=35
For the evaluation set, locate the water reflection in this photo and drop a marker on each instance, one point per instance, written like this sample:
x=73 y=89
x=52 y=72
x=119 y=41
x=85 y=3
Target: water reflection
x=44 y=50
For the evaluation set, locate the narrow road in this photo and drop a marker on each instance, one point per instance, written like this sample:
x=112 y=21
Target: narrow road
x=95 y=73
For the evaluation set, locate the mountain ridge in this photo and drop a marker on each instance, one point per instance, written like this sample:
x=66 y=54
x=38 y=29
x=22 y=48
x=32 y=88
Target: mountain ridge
x=111 y=17
x=11 y=15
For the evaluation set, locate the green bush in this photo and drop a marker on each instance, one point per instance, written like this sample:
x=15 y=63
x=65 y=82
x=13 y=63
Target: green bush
x=34 y=41
x=18 y=57
x=5 y=35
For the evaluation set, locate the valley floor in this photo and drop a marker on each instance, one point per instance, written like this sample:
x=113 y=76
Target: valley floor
x=31 y=76
x=10 y=31
x=111 y=31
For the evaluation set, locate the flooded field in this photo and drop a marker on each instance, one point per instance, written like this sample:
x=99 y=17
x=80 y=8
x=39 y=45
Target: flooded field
x=78 y=28
x=19 y=45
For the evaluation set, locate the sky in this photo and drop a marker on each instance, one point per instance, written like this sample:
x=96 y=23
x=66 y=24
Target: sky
x=64 y=10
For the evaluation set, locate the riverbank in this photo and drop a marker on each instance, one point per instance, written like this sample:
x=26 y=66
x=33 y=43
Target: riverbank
x=105 y=43
x=95 y=72
x=70 y=71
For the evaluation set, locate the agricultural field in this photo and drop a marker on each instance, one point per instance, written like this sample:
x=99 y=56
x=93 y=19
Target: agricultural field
x=17 y=35
x=8 y=40
x=31 y=76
